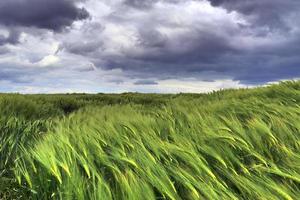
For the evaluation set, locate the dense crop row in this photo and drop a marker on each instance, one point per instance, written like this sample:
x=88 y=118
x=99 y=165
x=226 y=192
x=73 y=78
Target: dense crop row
x=233 y=144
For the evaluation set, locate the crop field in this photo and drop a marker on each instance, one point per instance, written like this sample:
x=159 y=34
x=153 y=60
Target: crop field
x=227 y=145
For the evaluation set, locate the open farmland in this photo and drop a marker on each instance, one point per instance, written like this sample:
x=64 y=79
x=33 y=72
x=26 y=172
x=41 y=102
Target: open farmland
x=230 y=144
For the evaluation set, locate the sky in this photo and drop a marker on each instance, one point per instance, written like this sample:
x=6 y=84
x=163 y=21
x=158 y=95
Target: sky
x=161 y=46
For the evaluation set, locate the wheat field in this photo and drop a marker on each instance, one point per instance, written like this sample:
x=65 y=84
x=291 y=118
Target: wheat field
x=227 y=145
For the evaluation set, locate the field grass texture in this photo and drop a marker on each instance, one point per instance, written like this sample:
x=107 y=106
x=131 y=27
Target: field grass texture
x=230 y=144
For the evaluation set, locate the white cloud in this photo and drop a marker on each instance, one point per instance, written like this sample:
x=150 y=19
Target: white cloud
x=49 y=60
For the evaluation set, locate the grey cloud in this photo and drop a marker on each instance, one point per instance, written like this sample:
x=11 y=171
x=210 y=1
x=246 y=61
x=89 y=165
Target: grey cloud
x=218 y=51
x=146 y=4
x=204 y=46
x=139 y=3
x=53 y=15
x=223 y=61
x=3 y=50
x=82 y=48
x=152 y=38
x=87 y=45
x=116 y=81
x=18 y=74
x=271 y=13
x=145 y=82
x=3 y=40
x=12 y=38
x=196 y=51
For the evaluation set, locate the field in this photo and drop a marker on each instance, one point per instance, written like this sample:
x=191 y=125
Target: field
x=230 y=144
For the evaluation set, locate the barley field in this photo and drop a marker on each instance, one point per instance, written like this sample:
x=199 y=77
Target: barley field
x=227 y=145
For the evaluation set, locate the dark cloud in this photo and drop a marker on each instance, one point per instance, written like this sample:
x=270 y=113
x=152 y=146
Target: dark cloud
x=209 y=56
x=271 y=13
x=82 y=48
x=159 y=56
x=217 y=49
x=47 y=14
x=3 y=40
x=145 y=82
x=152 y=38
x=12 y=38
x=196 y=46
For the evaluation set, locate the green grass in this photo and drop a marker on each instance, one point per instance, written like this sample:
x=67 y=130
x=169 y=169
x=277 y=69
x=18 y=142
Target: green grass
x=231 y=144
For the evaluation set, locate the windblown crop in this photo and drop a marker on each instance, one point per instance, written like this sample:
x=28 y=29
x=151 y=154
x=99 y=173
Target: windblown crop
x=231 y=144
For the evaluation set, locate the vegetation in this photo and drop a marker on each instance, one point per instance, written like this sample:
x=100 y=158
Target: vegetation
x=230 y=144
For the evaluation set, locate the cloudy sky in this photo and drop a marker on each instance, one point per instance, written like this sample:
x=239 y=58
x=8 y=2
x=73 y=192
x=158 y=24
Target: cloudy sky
x=147 y=45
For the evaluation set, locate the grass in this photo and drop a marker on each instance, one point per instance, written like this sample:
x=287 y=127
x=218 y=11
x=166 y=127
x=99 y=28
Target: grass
x=231 y=144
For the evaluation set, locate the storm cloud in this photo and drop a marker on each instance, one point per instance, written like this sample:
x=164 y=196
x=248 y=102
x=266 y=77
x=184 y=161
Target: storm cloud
x=132 y=45
x=53 y=15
